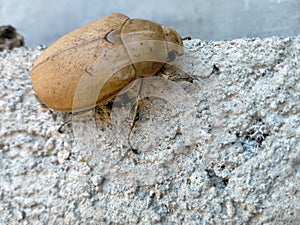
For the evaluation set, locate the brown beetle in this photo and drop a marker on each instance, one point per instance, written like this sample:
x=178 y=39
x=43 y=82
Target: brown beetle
x=91 y=64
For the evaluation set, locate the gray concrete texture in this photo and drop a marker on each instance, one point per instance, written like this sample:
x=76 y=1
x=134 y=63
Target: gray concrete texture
x=42 y=21
x=216 y=143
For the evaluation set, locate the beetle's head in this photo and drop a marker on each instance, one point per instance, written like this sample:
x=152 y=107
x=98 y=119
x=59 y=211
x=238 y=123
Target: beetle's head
x=174 y=43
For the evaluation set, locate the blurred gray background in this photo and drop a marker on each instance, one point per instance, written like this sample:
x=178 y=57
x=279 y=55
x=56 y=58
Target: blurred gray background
x=43 y=21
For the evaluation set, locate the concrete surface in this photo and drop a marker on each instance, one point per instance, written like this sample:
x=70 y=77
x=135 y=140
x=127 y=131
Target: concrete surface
x=42 y=21
x=219 y=146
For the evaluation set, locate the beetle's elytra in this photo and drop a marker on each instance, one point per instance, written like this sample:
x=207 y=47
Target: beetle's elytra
x=103 y=56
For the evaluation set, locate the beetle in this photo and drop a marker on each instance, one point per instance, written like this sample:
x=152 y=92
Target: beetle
x=90 y=65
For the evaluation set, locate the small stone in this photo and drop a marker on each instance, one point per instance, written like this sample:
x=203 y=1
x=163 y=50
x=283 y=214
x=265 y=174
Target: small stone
x=19 y=215
x=68 y=145
x=97 y=180
x=62 y=156
x=50 y=144
x=84 y=168
x=273 y=105
x=18 y=99
x=37 y=146
x=230 y=209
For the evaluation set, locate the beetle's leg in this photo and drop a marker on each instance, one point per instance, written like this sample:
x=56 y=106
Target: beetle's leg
x=186 y=38
x=135 y=114
x=60 y=129
x=171 y=73
x=136 y=106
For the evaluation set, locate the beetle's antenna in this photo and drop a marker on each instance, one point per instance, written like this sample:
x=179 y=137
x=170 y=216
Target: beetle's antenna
x=135 y=114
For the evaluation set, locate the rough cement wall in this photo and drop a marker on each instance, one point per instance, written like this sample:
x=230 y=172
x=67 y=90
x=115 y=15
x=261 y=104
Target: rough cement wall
x=220 y=146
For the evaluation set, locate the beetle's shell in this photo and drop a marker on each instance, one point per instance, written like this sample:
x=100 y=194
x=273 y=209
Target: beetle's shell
x=104 y=55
